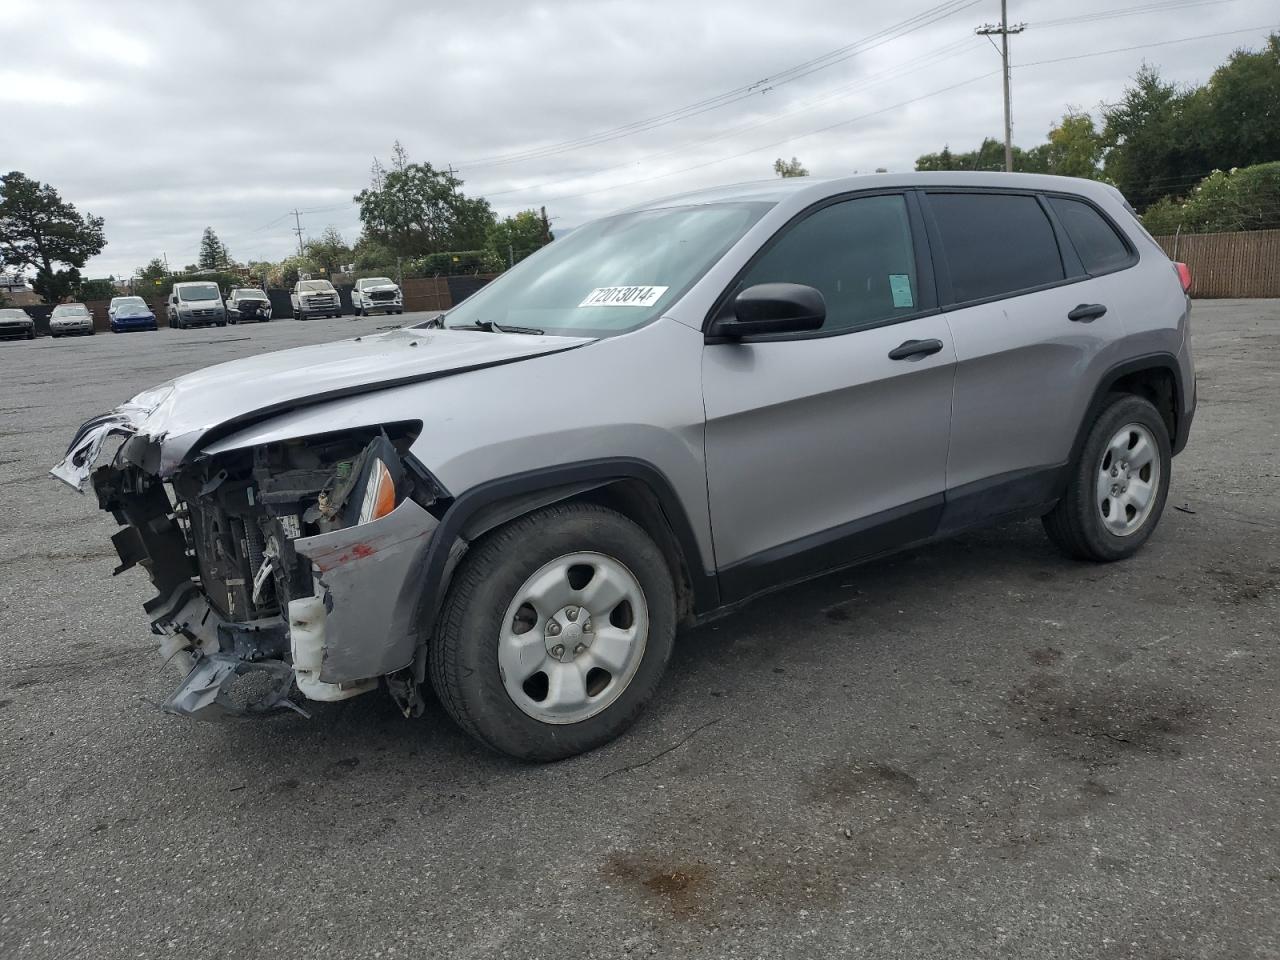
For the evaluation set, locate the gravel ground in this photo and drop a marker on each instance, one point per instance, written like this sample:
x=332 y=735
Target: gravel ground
x=978 y=749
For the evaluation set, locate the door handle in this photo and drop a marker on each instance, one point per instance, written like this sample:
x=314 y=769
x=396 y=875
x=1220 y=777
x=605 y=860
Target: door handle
x=1087 y=312
x=915 y=349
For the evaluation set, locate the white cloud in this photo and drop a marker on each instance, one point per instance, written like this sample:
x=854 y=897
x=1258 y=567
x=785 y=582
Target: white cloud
x=229 y=115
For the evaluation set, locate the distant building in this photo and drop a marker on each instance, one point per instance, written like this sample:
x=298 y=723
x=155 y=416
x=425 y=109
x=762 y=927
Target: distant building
x=13 y=286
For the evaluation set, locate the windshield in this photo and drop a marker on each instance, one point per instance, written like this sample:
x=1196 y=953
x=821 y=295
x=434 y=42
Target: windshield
x=310 y=286
x=70 y=310
x=612 y=275
x=377 y=282
x=13 y=315
x=203 y=291
x=250 y=295
x=133 y=308
x=128 y=302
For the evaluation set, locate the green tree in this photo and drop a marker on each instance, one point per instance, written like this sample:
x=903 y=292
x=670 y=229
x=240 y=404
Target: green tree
x=789 y=168
x=415 y=209
x=1247 y=198
x=513 y=238
x=40 y=229
x=214 y=254
x=1154 y=148
x=371 y=254
x=1075 y=146
x=329 y=252
x=96 y=290
x=1242 y=104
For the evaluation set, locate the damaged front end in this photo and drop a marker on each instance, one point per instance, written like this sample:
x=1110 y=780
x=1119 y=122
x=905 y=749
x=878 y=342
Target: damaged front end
x=290 y=566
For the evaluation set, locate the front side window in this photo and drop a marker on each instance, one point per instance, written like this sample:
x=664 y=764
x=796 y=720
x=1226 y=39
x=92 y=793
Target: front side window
x=857 y=253
x=612 y=275
x=995 y=243
x=1100 y=249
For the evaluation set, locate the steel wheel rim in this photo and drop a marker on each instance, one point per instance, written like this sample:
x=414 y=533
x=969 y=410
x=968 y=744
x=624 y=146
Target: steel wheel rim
x=573 y=637
x=1127 y=480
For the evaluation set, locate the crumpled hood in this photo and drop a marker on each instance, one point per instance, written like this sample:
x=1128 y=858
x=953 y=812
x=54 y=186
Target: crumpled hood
x=182 y=410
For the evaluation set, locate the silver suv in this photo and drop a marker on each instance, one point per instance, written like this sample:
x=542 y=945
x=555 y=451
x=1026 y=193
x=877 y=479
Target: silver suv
x=654 y=419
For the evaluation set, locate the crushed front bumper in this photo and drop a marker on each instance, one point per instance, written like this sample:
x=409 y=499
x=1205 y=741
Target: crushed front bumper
x=359 y=623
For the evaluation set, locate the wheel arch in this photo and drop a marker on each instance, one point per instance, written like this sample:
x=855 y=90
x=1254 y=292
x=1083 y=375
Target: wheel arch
x=632 y=487
x=1155 y=377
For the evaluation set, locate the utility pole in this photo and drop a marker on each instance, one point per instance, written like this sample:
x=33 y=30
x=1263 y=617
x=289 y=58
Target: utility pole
x=298 y=229
x=546 y=228
x=1004 y=29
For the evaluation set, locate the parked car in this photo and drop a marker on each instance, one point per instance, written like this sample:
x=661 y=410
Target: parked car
x=315 y=298
x=196 y=303
x=647 y=423
x=70 y=318
x=248 y=305
x=372 y=294
x=16 y=323
x=130 y=313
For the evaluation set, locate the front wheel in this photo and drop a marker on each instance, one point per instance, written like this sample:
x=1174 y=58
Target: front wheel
x=1117 y=489
x=555 y=632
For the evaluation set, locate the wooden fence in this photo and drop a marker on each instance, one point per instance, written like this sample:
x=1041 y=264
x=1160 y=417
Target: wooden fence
x=1245 y=264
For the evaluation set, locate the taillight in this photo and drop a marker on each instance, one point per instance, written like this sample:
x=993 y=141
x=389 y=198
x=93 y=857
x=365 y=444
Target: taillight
x=1184 y=275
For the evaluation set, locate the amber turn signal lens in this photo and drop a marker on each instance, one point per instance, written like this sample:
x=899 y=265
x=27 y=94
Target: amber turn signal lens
x=379 y=495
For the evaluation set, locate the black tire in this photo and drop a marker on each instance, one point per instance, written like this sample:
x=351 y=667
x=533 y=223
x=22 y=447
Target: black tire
x=464 y=649
x=31 y=334
x=1076 y=525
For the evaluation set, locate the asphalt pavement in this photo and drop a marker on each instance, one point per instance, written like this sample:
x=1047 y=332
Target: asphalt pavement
x=979 y=749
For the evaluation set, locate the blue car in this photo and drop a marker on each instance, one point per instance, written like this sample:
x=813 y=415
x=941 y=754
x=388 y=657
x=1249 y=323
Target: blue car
x=131 y=313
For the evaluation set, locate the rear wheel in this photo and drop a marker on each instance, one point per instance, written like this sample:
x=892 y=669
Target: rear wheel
x=555 y=632
x=1117 y=489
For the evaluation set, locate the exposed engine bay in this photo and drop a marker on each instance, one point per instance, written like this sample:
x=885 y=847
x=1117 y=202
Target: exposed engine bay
x=262 y=555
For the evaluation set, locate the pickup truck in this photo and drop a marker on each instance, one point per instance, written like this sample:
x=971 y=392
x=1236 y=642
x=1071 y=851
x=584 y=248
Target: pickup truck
x=376 y=293
x=315 y=298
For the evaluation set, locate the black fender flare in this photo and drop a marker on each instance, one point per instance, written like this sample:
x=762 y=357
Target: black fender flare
x=482 y=507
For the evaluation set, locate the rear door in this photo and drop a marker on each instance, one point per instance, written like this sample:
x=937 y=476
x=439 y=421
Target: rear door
x=820 y=448
x=1011 y=282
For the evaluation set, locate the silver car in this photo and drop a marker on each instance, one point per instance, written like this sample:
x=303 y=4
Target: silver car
x=651 y=421
x=70 y=318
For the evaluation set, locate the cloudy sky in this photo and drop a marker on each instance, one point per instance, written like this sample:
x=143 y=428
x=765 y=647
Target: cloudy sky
x=165 y=117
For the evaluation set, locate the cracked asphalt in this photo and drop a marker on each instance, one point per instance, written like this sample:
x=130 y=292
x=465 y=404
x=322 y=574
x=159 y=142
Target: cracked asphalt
x=978 y=749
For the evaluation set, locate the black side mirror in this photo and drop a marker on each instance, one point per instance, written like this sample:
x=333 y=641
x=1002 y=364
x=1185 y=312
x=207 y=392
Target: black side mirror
x=770 y=308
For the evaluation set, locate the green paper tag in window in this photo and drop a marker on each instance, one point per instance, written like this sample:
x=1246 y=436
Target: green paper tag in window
x=900 y=287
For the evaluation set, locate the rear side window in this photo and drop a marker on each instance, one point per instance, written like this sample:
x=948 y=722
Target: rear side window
x=1099 y=246
x=995 y=244
x=858 y=253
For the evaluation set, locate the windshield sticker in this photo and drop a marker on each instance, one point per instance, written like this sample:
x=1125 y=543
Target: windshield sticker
x=642 y=295
x=900 y=287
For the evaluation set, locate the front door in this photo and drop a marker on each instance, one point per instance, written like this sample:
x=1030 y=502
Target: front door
x=821 y=449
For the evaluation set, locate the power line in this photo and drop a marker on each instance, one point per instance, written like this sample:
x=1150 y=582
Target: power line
x=1128 y=12
x=1144 y=46
x=931 y=58
x=757 y=87
x=769 y=146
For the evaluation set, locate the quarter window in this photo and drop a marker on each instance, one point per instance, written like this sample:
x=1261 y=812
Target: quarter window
x=995 y=244
x=858 y=253
x=1100 y=249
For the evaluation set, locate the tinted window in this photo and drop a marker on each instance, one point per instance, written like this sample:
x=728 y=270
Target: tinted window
x=995 y=243
x=858 y=253
x=1095 y=240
